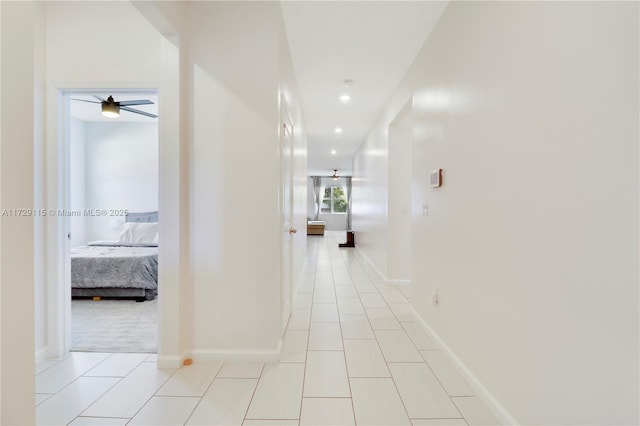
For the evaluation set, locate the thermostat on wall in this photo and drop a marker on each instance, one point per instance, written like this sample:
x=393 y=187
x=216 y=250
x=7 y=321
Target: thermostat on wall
x=436 y=178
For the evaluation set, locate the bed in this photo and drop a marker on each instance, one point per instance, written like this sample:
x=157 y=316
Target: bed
x=127 y=268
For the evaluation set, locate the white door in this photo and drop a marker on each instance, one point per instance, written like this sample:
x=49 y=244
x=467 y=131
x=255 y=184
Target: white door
x=287 y=229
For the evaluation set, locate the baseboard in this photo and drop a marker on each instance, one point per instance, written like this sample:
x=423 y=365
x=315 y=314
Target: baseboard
x=204 y=355
x=238 y=355
x=170 y=361
x=384 y=277
x=492 y=403
x=42 y=354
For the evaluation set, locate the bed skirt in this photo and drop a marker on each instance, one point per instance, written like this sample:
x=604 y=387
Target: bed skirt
x=132 y=293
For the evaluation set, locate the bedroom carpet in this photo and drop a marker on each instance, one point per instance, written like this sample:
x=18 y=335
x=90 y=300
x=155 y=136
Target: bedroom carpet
x=114 y=325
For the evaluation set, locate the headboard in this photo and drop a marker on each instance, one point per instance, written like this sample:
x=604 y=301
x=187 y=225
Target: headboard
x=141 y=217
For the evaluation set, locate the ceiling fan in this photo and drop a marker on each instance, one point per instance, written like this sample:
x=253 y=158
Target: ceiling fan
x=111 y=108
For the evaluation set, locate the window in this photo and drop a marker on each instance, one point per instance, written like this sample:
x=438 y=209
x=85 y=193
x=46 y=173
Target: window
x=334 y=200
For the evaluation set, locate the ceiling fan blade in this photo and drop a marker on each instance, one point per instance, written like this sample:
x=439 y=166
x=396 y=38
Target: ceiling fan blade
x=137 y=102
x=99 y=98
x=84 y=100
x=137 y=111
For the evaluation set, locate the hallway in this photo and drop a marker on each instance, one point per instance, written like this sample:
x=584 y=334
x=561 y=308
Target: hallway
x=353 y=353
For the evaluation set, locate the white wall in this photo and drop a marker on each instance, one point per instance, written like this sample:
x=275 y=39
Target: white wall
x=288 y=88
x=40 y=178
x=369 y=195
x=174 y=272
x=334 y=222
x=128 y=54
x=533 y=238
x=382 y=191
x=77 y=167
x=399 y=197
x=235 y=61
x=311 y=200
x=2 y=401
x=79 y=57
x=121 y=173
x=19 y=78
x=223 y=121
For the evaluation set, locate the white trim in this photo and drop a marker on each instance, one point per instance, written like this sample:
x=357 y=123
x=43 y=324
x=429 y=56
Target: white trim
x=58 y=287
x=54 y=190
x=170 y=361
x=42 y=354
x=238 y=356
x=492 y=403
x=286 y=126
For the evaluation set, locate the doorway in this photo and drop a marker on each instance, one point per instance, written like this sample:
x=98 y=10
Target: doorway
x=110 y=220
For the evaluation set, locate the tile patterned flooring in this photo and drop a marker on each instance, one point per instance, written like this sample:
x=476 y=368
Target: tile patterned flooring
x=352 y=355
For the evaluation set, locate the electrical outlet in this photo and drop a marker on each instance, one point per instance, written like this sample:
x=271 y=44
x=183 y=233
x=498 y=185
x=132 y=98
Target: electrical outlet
x=425 y=209
x=435 y=296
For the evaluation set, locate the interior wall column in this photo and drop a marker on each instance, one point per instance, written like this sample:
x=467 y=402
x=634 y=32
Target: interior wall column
x=17 y=41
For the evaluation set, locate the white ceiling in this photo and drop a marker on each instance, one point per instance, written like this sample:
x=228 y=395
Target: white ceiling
x=371 y=42
x=91 y=112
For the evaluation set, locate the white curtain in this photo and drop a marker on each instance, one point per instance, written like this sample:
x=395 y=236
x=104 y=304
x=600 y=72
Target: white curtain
x=317 y=180
x=348 y=193
x=322 y=188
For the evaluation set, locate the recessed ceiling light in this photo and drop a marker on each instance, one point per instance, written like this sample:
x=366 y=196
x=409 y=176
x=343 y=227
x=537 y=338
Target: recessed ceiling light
x=345 y=98
x=333 y=152
x=338 y=129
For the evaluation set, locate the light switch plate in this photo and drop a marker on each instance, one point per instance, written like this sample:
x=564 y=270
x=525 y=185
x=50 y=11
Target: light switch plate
x=435 y=178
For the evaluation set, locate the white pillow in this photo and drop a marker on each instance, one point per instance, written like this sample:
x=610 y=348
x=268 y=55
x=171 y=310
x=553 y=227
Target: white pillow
x=155 y=239
x=134 y=232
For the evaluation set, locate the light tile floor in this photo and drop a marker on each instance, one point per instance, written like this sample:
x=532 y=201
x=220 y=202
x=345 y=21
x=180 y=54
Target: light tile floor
x=352 y=354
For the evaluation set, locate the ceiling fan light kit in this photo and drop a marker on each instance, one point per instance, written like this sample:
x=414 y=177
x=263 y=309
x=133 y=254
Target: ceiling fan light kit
x=111 y=108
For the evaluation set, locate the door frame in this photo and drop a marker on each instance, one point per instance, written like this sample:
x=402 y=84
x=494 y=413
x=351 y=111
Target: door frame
x=58 y=279
x=285 y=127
